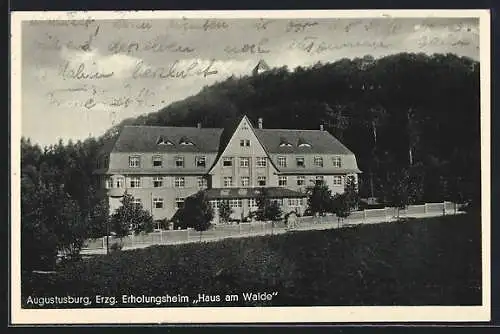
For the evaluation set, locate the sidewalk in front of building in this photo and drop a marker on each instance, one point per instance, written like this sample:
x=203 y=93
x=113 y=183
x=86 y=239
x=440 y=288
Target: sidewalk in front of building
x=309 y=227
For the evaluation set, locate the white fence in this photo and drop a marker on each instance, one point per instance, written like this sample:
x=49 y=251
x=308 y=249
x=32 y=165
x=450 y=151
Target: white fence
x=263 y=228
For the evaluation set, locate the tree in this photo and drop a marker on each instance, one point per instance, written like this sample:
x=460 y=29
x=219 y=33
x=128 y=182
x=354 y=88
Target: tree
x=320 y=198
x=51 y=222
x=98 y=218
x=225 y=212
x=129 y=217
x=404 y=188
x=273 y=212
x=267 y=209
x=351 y=193
x=341 y=206
x=196 y=213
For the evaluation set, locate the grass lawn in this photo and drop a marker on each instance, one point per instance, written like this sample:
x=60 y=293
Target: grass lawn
x=433 y=261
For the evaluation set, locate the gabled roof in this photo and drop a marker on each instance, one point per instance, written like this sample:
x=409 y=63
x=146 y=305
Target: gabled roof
x=322 y=142
x=144 y=139
x=214 y=140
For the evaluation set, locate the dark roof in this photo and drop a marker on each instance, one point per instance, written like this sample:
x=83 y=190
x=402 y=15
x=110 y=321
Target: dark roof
x=214 y=140
x=273 y=192
x=320 y=141
x=107 y=147
x=145 y=138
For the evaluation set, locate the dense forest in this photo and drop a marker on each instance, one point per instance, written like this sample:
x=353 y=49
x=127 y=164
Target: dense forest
x=405 y=115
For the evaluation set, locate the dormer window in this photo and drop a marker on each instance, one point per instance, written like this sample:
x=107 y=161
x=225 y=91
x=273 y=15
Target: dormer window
x=303 y=143
x=185 y=141
x=285 y=143
x=163 y=141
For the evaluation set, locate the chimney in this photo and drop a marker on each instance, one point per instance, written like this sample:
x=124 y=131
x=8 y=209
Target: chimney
x=321 y=127
x=261 y=121
x=198 y=125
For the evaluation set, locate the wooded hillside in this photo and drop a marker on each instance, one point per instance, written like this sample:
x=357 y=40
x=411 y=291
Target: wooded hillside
x=402 y=111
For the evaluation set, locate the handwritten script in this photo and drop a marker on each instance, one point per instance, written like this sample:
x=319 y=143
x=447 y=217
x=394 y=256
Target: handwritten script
x=175 y=71
x=90 y=96
x=178 y=50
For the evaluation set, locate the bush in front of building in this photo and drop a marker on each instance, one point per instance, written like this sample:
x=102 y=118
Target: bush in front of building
x=320 y=199
x=197 y=213
x=131 y=217
x=266 y=208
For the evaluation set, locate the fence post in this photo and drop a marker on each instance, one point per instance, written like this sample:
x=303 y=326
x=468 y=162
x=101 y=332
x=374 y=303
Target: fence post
x=187 y=233
x=364 y=215
x=425 y=207
x=444 y=208
x=239 y=228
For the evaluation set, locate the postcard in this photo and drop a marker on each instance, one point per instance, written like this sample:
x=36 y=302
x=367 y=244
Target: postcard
x=237 y=167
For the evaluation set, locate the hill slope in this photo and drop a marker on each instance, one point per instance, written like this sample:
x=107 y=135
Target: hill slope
x=398 y=111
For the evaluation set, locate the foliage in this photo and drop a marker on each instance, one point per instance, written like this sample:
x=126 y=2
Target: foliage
x=225 y=212
x=196 y=213
x=267 y=209
x=320 y=198
x=51 y=222
x=341 y=206
x=351 y=194
x=404 y=188
x=344 y=264
x=131 y=217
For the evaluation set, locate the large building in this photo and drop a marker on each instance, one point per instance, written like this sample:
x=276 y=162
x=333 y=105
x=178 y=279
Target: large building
x=160 y=166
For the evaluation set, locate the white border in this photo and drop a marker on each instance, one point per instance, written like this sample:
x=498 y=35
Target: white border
x=248 y=314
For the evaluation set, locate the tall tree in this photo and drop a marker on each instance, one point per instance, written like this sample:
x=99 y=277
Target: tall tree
x=130 y=217
x=320 y=198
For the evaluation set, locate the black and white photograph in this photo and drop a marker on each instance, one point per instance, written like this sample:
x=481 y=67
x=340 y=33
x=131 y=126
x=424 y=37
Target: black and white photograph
x=250 y=166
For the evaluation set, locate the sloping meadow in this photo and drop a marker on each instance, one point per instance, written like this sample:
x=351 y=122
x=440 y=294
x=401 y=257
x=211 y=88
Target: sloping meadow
x=435 y=261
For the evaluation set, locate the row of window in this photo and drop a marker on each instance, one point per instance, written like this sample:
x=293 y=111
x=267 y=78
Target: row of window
x=180 y=181
x=201 y=161
x=134 y=161
x=244 y=162
x=158 y=182
x=158 y=202
x=282 y=180
x=252 y=202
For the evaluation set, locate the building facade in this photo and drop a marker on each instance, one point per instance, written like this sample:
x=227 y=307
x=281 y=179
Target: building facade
x=162 y=166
